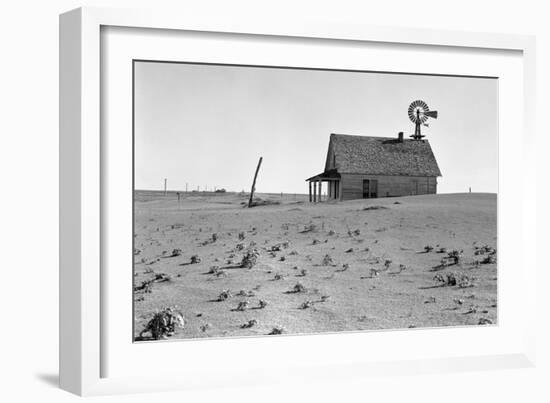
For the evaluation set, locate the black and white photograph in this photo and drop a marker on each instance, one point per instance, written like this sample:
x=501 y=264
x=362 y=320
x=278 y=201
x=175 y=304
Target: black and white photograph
x=276 y=201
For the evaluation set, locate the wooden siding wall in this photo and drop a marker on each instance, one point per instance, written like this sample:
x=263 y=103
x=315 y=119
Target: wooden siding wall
x=352 y=185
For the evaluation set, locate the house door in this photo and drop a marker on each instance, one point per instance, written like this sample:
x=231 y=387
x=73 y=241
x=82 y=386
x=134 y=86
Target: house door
x=366 y=188
x=370 y=188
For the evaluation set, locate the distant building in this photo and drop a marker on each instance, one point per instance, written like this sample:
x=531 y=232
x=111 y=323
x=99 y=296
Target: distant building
x=362 y=167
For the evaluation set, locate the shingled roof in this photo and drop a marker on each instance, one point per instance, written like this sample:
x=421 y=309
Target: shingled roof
x=382 y=156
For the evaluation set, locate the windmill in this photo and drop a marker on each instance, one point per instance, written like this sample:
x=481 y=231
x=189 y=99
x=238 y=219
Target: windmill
x=419 y=114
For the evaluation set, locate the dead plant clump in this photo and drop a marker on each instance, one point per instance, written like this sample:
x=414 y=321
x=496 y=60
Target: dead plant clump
x=306 y=304
x=249 y=324
x=242 y=306
x=145 y=286
x=485 y=249
x=239 y=246
x=454 y=256
x=303 y=273
x=387 y=263
x=455 y=279
x=428 y=248
x=276 y=330
x=195 y=259
x=262 y=304
x=298 y=288
x=441 y=250
x=315 y=242
x=164 y=323
x=278 y=277
x=215 y=270
x=309 y=228
x=350 y=250
x=250 y=259
x=331 y=233
x=224 y=295
x=204 y=327
x=241 y=236
x=430 y=300
x=327 y=261
x=244 y=293
x=176 y=252
x=293 y=253
x=485 y=321
x=355 y=232
x=161 y=278
x=489 y=259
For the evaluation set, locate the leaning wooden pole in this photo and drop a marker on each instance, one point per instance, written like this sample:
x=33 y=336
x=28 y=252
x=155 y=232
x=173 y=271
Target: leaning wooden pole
x=254 y=183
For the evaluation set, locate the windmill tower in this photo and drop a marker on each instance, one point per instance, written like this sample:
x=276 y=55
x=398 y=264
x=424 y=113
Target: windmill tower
x=419 y=114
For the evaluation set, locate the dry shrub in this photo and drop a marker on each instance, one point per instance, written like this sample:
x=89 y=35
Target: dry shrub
x=195 y=259
x=298 y=288
x=241 y=236
x=176 y=252
x=276 y=330
x=485 y=321
x=249 y=324
x=164 y=323
x=489 y=259
x=461 y=280
x=250 y=259
x=145 y=286
x=428 y=248
x=161 y=278
x=481 y=250
x=262 y=304
x=242 y=306
x=224 y=295
x=306 y=305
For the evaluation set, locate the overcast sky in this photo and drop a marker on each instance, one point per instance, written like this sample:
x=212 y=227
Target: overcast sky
x=208 y=125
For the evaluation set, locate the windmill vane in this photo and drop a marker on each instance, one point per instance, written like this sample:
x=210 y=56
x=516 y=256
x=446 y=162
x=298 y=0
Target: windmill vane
x=419 y=112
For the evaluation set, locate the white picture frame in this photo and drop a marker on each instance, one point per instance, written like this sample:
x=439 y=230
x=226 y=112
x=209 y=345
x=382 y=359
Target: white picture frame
x=83 y=341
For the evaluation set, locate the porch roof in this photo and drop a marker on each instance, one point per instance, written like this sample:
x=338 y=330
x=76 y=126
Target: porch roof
x=330 y=175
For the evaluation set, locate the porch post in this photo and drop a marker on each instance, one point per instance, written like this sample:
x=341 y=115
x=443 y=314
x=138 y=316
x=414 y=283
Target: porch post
x=315 y=192
x=309 y=191
x=320 y=186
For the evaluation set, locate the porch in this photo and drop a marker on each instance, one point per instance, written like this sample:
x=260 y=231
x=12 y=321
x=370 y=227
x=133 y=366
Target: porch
x=333 y=179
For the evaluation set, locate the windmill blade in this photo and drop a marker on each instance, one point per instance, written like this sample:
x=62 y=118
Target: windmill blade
x=432 y=114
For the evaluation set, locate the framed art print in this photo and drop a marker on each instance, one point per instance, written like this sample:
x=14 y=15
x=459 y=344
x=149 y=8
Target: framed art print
x=259 y=193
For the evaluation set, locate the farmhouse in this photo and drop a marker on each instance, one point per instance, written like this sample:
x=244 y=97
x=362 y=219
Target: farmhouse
x=361 y=167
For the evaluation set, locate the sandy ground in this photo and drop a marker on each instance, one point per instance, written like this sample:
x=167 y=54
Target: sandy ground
x=380 y=276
